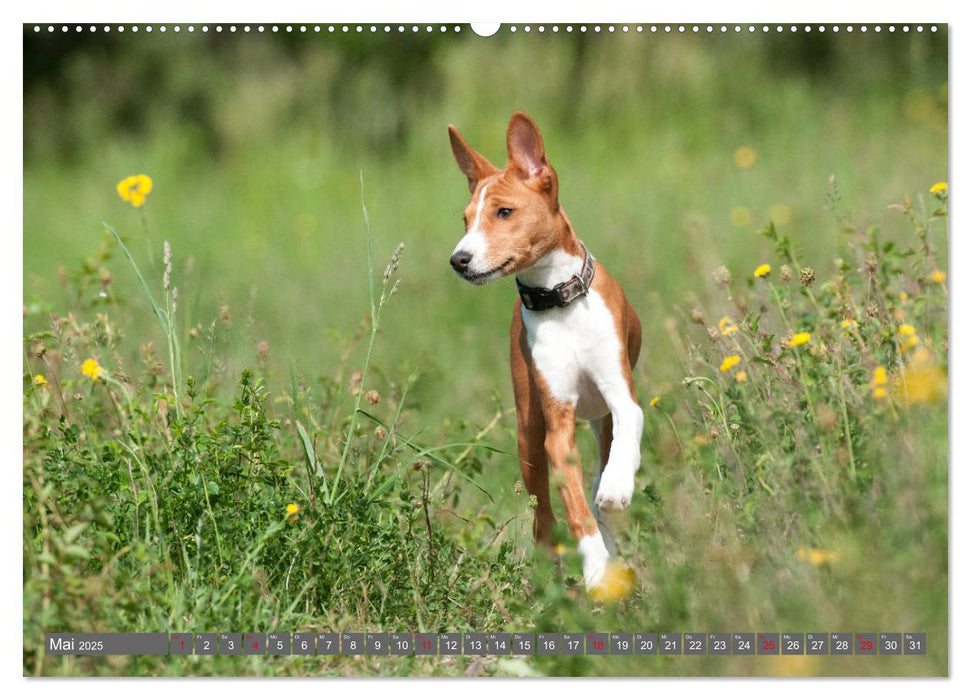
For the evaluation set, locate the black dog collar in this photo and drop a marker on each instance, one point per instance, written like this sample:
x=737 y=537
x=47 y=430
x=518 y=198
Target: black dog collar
x=563 y=294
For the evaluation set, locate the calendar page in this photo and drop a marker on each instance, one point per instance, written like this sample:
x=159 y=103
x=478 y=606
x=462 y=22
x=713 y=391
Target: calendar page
x=520 y=349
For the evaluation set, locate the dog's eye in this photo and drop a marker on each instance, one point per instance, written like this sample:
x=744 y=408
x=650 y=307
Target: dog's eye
x=504 y=212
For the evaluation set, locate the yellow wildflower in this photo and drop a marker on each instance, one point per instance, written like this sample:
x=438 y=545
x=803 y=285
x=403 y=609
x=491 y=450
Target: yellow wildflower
x=923 y=383
x=792 y=666
x=847 y=324
x=560 y=549
x=815 y=556
x=726 y=326
x=921 y=356
x=730 y=362
x=655 y=400
x=91 y=368
x=744 y=157
x=800 y=339
x=938 y=276
x=878 y=382
x=740 y=216
x=763 y=270
x=134 y=189
x=939 y=187
x=904 y=296
x=906 y=329
x=879 y=376
x=741 y=377
x=292 y=509
x=617 y=583
x=39 y=380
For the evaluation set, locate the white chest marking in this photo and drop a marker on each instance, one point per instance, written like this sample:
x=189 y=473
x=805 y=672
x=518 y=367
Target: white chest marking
x=554 y=267
x=577 y=352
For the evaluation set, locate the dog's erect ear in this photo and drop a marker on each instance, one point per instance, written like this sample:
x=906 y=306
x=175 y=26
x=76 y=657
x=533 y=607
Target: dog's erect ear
x=527 y=155
x=471 y=162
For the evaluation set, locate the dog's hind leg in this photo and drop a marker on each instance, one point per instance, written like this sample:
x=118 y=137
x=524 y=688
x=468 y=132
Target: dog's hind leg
x=534 y=465
x=531 y=427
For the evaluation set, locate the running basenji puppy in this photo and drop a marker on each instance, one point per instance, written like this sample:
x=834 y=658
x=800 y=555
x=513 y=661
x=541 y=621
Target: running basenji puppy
x=574 y=340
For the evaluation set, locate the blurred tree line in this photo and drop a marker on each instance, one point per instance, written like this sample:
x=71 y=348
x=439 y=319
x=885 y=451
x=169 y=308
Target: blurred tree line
x=364 y=88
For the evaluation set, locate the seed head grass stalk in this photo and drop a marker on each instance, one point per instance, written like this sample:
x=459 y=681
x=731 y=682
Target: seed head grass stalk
x=164 y=318
x=374 y=314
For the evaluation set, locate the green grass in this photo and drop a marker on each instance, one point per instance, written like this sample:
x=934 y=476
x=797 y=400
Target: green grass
x=388 y=419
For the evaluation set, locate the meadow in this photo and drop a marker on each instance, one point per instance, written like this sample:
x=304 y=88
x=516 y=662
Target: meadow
x=260 y=400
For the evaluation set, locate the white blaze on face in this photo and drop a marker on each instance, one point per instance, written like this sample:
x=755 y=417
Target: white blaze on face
x=474 y=241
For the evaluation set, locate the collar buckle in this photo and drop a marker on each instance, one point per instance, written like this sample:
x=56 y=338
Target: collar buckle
x=563 y=294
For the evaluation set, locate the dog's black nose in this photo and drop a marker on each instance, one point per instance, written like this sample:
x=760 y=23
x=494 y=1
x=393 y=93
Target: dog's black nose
x=460 y=260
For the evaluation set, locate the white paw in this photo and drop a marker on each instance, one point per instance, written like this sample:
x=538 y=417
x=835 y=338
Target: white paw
x=592 y=577
x=616 y=489
x=595 y=557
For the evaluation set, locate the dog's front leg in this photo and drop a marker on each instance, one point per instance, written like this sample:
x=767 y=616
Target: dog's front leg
x=567 y=474
x=617 y=480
